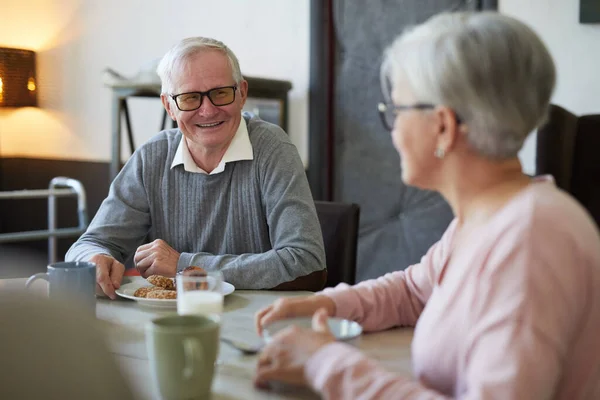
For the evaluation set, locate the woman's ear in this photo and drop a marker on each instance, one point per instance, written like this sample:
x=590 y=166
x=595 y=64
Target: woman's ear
x=449 y=128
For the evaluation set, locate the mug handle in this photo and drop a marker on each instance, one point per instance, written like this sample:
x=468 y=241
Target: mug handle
x=33 y=278
x=193 y=352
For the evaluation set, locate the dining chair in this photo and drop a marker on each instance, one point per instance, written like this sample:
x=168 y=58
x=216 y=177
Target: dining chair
x=339 y=224
x=567 y=148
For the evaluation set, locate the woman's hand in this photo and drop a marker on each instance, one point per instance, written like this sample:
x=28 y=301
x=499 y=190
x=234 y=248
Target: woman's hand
x=303 y=306
x=284 y=358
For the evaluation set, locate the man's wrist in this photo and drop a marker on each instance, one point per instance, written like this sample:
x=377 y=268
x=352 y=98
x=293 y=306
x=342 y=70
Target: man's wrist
x=184 y=261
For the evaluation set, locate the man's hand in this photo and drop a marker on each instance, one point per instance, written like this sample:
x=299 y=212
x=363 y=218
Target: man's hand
x=156 y=258
x=109 y=273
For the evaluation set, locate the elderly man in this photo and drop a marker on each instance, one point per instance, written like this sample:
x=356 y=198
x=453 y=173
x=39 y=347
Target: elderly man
x=226 y=191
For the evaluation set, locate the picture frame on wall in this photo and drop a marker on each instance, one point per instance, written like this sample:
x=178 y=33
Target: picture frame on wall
x=589 y=11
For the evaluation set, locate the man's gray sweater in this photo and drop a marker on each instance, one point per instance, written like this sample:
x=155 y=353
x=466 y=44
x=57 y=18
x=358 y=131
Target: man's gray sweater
x=256 y=221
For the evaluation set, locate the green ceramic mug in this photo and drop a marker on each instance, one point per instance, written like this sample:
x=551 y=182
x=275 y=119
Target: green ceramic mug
x=182 y=350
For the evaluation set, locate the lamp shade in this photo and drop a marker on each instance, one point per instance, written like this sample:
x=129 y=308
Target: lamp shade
x=18 y=83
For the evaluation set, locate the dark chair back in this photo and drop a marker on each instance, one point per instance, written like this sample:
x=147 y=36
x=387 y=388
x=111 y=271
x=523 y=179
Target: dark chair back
x=339 y=224
x=567 y=149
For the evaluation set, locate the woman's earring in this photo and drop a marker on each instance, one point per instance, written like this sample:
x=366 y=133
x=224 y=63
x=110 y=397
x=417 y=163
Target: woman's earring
x=439 y=153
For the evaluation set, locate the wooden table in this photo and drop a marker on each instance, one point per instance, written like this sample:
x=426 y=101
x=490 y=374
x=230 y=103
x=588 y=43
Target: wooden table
x=123 y=322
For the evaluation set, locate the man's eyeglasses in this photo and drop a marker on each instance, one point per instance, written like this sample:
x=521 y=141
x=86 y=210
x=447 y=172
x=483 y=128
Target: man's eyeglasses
x=191 y=101
x=388 y=112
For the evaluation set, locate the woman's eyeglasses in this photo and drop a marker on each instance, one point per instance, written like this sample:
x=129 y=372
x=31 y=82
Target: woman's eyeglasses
x=388 y=111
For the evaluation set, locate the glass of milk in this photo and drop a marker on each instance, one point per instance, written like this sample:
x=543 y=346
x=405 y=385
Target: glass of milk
x=200 y=295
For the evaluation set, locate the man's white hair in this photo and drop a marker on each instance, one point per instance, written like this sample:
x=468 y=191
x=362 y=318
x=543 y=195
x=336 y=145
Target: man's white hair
x=186 y=48
x=491 y=69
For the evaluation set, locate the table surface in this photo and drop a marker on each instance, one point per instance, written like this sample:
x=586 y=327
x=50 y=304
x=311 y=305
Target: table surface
x=123 y=323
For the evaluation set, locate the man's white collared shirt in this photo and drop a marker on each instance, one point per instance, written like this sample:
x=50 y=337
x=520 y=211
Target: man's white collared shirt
x=239 y=149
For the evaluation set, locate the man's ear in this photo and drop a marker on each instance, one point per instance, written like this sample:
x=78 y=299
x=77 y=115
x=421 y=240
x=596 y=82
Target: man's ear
x=243 y=88
x=448 y=128
x=167 y=104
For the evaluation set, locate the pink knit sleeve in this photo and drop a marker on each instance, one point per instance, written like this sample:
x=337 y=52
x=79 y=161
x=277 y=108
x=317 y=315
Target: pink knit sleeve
x=339 y=371
x=530 y=299
x=395 y=299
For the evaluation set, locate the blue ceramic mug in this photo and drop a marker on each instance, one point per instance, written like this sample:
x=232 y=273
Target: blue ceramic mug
x=70 y=281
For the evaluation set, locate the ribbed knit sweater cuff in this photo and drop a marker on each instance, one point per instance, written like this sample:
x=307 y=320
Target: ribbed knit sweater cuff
x=185 y=260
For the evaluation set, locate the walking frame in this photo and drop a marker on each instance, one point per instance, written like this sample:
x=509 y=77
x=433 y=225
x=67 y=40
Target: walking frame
x=59 y=187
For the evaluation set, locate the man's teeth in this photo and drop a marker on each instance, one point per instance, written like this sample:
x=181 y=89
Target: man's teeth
x=208 y=125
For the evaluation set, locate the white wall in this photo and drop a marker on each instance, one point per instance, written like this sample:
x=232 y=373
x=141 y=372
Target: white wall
x=77 y=39
x=576 y=51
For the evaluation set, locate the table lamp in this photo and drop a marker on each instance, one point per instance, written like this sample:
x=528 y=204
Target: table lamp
x=18 y=84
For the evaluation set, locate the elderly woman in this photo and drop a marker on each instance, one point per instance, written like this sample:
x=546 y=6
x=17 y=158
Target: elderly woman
x=507 y=304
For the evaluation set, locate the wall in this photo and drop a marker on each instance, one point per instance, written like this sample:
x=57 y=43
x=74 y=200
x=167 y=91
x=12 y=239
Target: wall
x=576 y=51
x=77 y=39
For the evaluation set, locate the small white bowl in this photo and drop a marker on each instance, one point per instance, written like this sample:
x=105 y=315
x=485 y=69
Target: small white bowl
x=344 y=330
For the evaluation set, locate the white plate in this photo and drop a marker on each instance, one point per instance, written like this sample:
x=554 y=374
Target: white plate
x=132 y=283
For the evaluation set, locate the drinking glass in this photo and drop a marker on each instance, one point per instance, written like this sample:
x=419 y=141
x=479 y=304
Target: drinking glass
x=200 y=295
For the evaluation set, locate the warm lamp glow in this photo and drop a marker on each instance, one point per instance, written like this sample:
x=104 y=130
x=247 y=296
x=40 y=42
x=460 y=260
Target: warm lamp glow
x=1 y=91
x=17 y=69
x=49 y=134
x=31 y=84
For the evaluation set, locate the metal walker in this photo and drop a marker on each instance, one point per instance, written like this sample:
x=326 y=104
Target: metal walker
x=71 y=187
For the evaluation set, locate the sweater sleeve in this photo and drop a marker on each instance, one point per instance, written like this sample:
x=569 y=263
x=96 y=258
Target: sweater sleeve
x=339 y=371
x=294 y=229
x=528 y=307
x=397 y=298
x=122 y=221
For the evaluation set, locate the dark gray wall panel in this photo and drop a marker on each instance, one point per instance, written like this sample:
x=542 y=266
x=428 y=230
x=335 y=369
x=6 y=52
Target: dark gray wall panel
x=398 y=223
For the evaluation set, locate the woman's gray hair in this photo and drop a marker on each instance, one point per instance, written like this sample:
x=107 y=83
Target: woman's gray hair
x=491 y=69
x=186 y=48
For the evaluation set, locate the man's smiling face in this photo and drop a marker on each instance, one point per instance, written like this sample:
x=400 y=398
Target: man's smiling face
x=210 y=127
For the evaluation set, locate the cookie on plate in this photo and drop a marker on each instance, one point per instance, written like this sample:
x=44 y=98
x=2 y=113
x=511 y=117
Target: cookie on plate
x=144 y=290
x=195 y=271
x=161 y=281
x=162 y=294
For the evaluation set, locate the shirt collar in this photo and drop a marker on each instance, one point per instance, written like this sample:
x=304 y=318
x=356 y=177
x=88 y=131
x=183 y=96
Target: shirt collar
x=239 y=149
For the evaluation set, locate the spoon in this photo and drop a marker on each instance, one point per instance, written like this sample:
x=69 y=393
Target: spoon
x=244 y=347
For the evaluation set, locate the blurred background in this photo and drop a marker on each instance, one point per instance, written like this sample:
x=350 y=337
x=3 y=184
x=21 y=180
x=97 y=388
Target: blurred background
x=69 y=133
